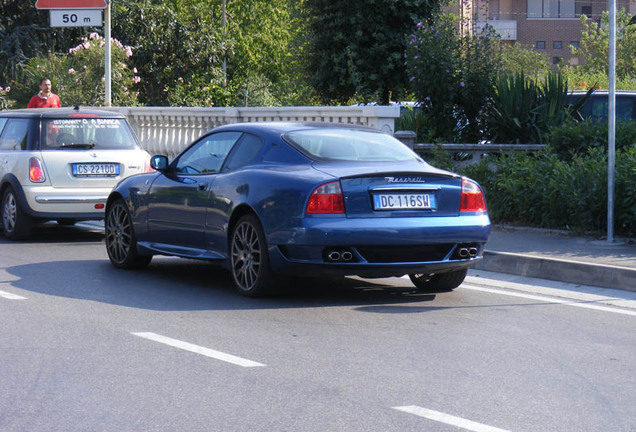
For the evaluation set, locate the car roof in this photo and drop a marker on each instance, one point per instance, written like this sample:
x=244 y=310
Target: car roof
x=631 y=93
x=280 y=128
x=60 y=112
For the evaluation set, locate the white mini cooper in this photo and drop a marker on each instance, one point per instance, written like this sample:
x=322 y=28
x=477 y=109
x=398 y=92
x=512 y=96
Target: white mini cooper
x=61 y=164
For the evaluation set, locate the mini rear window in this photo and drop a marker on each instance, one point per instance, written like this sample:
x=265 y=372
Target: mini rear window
x=349 y=145
x=87 y=133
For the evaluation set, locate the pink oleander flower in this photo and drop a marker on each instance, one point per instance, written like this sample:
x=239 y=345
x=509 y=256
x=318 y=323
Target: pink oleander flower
x=71 y=71
x=136 y=79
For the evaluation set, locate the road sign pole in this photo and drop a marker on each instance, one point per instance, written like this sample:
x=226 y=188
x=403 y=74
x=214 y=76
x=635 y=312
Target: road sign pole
x=107 y=72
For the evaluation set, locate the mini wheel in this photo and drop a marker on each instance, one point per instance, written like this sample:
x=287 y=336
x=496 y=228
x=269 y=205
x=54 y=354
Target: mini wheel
x=16 y=223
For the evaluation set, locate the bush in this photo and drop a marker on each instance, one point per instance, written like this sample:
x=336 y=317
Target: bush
x=571 y=138
x=5 y=102
x=78 y=77
x=544 y=191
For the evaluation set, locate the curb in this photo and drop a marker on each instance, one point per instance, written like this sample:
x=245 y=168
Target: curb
x=600 y=275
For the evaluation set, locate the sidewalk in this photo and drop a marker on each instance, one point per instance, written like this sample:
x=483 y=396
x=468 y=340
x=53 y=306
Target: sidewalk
x=557 y=256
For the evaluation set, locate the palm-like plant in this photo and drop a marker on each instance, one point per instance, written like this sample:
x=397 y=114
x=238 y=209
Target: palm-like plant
x=523 y=110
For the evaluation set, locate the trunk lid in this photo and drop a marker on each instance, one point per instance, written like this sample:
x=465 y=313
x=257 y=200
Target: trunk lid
x=408 y=189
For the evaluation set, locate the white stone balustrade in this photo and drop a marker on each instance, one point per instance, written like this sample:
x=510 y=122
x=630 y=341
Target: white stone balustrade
x=167 y=130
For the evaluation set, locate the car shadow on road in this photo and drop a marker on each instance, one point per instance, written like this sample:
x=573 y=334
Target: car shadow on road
x=52 y=232
x=174 y=284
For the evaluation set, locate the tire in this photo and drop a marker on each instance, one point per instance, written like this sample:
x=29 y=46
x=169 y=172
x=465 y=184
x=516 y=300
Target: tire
x=121 y=242
x=249 y=257
x=16 y=223
x=439 y=282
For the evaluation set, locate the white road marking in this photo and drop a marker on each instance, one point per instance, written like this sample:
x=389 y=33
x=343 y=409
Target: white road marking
x=10 y=296
x=448 y=419
x=575 y=303
x=199 y=349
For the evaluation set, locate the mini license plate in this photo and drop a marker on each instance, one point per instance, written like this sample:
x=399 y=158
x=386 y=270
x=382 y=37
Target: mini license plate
x=95 y=169
x=404 y=201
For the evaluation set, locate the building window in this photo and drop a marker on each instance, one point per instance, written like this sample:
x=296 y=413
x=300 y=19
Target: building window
x=557 y=45
x=574 y=44
x=558 y=8
x=541 y=45
x=556 y=60
x=574 y=61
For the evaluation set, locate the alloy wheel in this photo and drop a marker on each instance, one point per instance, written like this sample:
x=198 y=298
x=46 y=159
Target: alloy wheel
x=118 y=232
x=246 y=256
x=9 y=211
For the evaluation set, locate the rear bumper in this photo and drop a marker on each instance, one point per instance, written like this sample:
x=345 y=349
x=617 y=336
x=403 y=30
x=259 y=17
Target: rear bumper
x=380 y=247
x=282 y=265
x=50 y=203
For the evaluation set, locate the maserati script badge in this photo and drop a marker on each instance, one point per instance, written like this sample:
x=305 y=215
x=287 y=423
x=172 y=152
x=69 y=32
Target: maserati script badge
x=404 y=179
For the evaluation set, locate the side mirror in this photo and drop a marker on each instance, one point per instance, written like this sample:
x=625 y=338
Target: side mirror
x=159 y=163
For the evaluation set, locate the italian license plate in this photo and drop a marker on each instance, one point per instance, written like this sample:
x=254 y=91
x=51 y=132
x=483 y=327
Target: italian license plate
x=95 y=169
x=395 y=201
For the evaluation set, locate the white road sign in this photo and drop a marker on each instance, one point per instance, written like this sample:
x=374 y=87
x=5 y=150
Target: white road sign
x=76 y=17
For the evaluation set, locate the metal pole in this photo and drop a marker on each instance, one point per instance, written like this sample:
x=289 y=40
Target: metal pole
x=223 y=23
x=611 y=124
x=107 y=72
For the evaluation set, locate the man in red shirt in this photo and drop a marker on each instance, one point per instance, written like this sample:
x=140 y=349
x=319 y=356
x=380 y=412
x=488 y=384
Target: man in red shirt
x=45 y=98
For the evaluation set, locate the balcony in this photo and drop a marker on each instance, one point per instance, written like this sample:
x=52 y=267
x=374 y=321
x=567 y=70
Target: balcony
x=506 y=29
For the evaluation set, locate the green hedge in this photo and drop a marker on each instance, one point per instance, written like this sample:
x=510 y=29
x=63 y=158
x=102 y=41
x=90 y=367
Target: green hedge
x=572 y=138
x=544 y=191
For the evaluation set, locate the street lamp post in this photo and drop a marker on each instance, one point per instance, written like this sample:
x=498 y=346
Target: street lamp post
x=611 y=124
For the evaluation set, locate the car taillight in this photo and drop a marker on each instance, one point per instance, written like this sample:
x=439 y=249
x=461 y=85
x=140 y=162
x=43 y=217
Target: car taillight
x=472 y=199
x=148 y=168
x=326 y=198
x=36 y=173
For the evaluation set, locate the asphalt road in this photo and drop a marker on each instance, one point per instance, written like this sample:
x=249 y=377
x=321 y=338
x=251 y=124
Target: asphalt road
x=86 y=347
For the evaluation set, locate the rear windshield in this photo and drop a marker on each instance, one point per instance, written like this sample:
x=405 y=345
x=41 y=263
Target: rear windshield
x=596 y=107
x=87 y=133
x=349 y=145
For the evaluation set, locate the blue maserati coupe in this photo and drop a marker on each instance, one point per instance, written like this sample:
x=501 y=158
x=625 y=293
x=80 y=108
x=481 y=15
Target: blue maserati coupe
x=271 y=199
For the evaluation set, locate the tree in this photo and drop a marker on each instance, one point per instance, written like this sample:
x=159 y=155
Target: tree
x=594 y=46
x=519 y=58
x=183 y=45
x=356 y=47
x=177 y=48
x=452 y=77
x=25 y=33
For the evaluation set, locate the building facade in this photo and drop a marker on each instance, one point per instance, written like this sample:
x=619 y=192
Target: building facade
x=550 y=26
